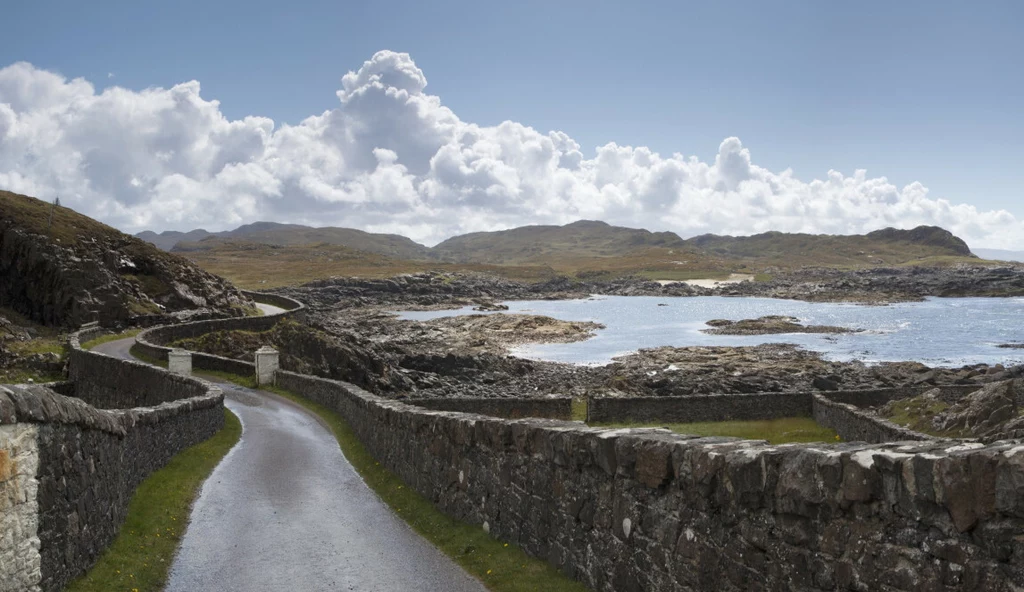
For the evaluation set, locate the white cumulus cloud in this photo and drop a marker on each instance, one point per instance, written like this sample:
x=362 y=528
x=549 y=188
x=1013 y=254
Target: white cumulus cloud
x=392 y=158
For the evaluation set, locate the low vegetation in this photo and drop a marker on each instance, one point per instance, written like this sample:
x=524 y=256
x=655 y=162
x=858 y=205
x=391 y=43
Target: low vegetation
x=141 y=555
x=28 y=351
x=915 y=413
x=776 y=431
x=258 y=266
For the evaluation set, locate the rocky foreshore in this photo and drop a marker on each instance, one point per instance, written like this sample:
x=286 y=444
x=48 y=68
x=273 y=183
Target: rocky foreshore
x=468 y=355
x=869 y=286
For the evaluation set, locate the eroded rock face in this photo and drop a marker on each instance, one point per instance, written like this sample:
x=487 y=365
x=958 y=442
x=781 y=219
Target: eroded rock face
x=79 y=271
x=981 y=413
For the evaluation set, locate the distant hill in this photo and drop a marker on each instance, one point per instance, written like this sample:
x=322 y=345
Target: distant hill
x=168 y=238
x=272 y=233
x=586 y=248
x=882 y=247
x=529 y=244
x=1000 y=254
x=71 y=269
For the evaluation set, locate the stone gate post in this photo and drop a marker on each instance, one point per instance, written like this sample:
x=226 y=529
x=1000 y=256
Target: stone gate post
x=266 y=364
x=179 y=361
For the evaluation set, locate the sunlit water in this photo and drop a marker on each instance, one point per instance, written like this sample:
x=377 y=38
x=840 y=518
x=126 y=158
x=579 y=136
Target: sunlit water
x=937 y=332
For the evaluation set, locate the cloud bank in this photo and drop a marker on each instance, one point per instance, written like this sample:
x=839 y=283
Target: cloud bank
x=392 y=158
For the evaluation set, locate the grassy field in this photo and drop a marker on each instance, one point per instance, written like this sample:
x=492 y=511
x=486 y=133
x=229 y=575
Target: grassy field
x=776 y=431
x=141 y=555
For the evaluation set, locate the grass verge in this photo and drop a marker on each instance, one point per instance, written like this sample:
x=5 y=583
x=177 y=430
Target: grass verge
x=500 y=566
x=112 y=337
x=140 y=557
x=777 y=431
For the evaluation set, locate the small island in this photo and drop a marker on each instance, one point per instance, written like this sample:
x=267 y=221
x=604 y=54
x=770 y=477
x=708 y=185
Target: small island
x=769 y=325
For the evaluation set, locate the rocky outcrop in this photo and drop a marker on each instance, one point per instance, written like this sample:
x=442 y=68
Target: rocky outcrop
x=75 y=270
x=885 y=284
x=992 y=412
x=768 y=325
x=306 y=350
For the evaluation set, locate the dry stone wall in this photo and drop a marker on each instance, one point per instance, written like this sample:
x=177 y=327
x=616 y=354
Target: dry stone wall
x=840 y=410
x=19 y=516
x=153 y=342
x=548 y=408
x=698 y=408
x=631 y=510
x=77 y=465
x=855 y=425
x=879 y=397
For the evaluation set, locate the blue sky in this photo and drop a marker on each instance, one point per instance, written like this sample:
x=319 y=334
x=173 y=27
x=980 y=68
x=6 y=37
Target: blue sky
x=913 y=91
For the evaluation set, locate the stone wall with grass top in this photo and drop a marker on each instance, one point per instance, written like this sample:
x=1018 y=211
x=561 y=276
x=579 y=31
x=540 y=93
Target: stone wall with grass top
x=647 y=509
x=72 y=466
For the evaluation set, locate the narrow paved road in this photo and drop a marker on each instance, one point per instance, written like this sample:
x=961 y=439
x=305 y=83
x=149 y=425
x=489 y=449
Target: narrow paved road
x=285 y=510
x=269 y=309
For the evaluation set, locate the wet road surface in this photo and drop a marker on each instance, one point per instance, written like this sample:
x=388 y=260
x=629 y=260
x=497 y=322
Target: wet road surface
x=269 y=309
x=285 y=510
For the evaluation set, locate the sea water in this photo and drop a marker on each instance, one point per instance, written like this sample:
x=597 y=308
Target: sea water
x=939 y=331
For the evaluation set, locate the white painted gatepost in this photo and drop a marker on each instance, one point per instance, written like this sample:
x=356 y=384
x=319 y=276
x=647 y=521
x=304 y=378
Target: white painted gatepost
x=267 y=361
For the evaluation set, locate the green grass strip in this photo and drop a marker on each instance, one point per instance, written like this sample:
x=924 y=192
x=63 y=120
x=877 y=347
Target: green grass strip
x=141 y=555
x=112 y=337
x=500 y=566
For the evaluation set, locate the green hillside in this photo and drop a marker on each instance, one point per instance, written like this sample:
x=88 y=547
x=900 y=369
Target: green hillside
x=533 y=244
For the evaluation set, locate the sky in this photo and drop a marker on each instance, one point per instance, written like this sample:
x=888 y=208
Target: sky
x=735 y=117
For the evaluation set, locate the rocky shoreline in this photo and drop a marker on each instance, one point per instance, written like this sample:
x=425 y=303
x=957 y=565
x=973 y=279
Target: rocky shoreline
x=868 y=286
x=468 y=355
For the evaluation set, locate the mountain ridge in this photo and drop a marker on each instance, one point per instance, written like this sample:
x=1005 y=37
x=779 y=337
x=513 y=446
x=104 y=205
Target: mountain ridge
x=588 y=239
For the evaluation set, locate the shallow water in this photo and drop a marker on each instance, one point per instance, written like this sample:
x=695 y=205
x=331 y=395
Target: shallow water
x=937 y=332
